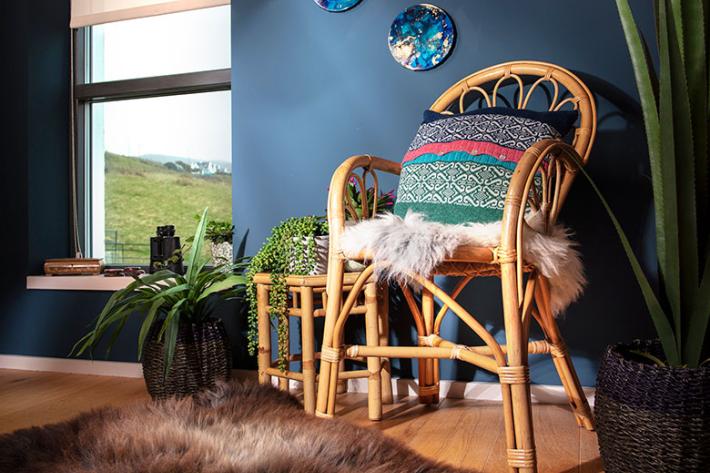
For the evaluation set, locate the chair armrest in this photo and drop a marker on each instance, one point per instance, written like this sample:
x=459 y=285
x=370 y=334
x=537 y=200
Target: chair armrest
x=557 y=176
x=336 y=193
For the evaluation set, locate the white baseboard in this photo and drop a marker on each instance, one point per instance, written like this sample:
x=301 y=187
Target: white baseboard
x=547 y=394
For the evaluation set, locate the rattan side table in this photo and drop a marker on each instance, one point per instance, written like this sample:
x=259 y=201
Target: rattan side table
x=308 y=300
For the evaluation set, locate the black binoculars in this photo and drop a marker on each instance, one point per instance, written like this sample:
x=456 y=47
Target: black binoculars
x=165 y=251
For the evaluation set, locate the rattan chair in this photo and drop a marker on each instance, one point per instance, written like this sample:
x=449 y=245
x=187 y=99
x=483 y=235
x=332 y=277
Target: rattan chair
x=525 y=292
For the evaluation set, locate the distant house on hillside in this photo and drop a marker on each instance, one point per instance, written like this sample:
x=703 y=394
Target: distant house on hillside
x=207 y=168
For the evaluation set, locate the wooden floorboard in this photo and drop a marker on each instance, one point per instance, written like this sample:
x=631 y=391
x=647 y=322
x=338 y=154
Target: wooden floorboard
x=467 y=433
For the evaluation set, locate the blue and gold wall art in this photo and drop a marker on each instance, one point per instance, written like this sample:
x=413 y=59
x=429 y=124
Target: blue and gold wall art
x=421 y=37
x=337 y=5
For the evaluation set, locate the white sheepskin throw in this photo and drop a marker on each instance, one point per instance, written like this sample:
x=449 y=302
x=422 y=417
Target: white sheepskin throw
x=414 y=245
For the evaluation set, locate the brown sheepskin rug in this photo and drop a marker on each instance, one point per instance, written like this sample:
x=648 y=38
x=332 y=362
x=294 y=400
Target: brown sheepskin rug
x=235 y=428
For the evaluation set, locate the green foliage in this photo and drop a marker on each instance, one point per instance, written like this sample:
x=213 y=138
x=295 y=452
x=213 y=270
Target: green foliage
x=219 y=231
x=291 y=249
x=168 y=298
x=385 y=201
x=676 y=112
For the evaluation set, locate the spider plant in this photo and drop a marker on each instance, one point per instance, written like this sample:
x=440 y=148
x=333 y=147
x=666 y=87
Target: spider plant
x=676 y=114
x=168 y=298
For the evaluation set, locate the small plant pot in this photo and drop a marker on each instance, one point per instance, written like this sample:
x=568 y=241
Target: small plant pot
x=222 y=252
x=320 y=265
x=651 y=418
x=202 y=357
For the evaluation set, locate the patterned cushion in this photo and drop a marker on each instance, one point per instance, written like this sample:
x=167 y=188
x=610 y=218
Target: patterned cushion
x=458 y=167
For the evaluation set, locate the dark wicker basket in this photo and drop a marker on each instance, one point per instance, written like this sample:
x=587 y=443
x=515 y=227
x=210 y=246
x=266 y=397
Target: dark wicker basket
x=202 y=357
x=651 y=418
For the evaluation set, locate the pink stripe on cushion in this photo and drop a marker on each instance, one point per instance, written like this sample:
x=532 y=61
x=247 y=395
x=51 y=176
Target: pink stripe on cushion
x=471 y=147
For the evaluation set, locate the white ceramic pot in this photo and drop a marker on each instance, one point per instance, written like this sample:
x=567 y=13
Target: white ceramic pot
x=321 y=260
x=221 y=252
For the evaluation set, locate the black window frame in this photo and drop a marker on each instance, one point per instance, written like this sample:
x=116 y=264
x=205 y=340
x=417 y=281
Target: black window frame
x=86 y=93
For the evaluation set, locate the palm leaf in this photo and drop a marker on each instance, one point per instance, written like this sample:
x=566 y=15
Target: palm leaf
x=193 y=263
x=147 y=323
x=658 y=315
x=670 y=268
x=662 y=170
x=699 y=318
x=171 y=326
x=679 y=124
x=222 y=285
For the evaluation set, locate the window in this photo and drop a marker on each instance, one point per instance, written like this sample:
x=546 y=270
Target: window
x=154 y=129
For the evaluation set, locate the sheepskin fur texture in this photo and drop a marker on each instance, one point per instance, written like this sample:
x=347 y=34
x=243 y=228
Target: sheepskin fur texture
x=414 y=245
x=234 y=428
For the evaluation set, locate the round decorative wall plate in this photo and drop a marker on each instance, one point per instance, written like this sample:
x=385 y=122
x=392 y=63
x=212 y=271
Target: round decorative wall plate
x=336 y=5
x=421 y=37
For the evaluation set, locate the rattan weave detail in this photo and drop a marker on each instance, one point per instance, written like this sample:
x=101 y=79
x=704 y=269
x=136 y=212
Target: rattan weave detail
x=514 y=374
x=519 y=458
x=202 y=357
x=652 y=418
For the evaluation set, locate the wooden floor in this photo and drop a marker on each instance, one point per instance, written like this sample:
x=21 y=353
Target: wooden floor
x=468 y=433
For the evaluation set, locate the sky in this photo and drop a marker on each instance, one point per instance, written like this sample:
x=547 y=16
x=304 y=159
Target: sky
x=196 y=126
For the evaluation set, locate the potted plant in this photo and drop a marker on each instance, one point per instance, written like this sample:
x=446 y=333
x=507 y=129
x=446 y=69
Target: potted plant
x=182 y=346
x=652 y=402
x=219 y=234
x=385 y=201
x=297 y=245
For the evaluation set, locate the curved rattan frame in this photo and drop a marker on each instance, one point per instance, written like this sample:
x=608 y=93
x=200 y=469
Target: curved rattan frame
x=525 y=292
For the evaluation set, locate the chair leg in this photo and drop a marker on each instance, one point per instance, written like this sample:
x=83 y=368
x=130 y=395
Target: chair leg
x=561 y=358
x=327 y=381
x=372 y=334
x=264 y=328
x=307 y=350
x=428 y=384
x=384 y=330
x=515 y=379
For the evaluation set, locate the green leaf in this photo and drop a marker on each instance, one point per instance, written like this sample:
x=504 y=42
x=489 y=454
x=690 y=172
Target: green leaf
x=222 y=285
x=116 y=332
x=193 y=263
x=171 y=325
x=147 y=323
x=699 y=319
x=662 y=170
x=694 y=14
x=681 y=126
x=172 y=290
x=658 y=316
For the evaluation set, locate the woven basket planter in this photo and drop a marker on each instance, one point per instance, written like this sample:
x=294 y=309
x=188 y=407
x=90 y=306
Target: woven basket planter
x=651 y=418
x=202 y=357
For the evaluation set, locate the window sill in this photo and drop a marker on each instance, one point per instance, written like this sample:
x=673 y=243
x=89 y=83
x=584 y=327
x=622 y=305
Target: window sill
x=78 y=283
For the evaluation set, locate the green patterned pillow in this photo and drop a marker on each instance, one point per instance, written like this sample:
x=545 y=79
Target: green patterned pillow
x=458 y=167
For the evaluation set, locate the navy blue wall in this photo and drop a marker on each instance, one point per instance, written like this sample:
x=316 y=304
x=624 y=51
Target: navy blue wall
x=311 y=88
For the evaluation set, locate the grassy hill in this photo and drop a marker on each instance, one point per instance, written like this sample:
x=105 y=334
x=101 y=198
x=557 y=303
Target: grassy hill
x=141 y=194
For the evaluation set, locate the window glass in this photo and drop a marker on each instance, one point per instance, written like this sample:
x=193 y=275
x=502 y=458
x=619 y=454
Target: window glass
x=157 y=161
x=195 y=40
